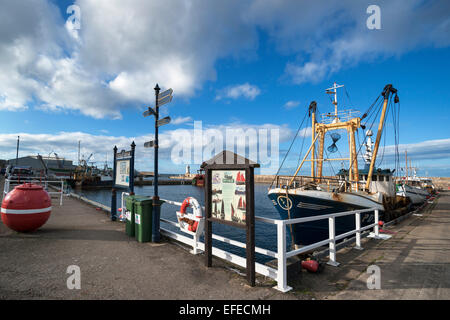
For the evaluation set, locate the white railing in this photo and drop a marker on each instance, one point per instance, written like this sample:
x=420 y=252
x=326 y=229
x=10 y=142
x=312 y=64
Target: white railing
x=44 y=183
x=280 y=274
x=123 y=209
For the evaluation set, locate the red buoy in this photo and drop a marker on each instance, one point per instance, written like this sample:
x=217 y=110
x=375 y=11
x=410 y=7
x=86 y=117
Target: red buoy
x=310 y=265
x=26 y=208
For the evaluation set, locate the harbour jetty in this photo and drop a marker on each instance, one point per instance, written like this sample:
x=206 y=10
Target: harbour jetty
x=414 y=263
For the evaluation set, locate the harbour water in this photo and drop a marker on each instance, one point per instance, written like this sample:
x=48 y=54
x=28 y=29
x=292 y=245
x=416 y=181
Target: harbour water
x=265 y=234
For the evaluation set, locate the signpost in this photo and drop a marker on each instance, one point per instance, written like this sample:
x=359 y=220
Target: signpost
x=230 y=200
x=160 y=99
x=164 y=100
x=123 y=175
x=162 y=121
x=149 y=112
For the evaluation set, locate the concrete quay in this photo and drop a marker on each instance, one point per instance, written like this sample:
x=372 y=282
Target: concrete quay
x=414 y=263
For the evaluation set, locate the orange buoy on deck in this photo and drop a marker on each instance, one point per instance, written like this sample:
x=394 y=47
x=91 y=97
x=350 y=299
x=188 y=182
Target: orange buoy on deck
x=26 y=208
x=310 y=265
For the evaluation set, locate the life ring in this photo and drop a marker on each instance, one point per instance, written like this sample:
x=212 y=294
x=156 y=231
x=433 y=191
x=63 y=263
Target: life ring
x=198 y=213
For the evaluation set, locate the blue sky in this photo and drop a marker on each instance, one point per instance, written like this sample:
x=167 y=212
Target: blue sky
x=227 y=70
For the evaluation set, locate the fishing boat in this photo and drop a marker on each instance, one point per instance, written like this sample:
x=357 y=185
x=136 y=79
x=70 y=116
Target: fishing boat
x=414 y=195
x=411 y=187
x=353 y=188
x=427 y=184
x=86 y=176
x=199 y=179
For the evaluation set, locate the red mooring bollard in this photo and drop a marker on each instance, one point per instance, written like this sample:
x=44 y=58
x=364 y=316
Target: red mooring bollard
x=26 y=208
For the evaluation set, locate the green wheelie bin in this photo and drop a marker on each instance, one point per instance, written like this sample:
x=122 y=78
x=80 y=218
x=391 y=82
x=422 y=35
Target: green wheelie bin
x=143 y=219
x=130 y=224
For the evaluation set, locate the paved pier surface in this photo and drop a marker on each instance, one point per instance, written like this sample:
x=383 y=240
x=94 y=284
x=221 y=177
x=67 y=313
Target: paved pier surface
x=415 y=263
x=113 y=265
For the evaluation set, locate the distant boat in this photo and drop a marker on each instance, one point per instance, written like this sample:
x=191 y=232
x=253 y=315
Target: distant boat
x=414 y=195
x=411 y=187
x=199 y=179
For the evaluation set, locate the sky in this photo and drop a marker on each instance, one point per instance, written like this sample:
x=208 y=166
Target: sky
x=88 y=75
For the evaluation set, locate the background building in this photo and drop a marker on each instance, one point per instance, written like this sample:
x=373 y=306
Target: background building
x=39 y=163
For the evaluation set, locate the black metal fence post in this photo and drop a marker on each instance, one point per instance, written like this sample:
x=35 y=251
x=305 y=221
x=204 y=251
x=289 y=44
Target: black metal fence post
x=156 y=204
x=133 y=147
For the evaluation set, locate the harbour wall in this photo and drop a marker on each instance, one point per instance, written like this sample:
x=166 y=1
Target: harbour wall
x=442 y=183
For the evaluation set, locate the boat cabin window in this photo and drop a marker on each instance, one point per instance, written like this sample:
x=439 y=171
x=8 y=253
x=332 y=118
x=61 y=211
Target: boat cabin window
x=365 y=177
x=375 y=178
x=381 y=178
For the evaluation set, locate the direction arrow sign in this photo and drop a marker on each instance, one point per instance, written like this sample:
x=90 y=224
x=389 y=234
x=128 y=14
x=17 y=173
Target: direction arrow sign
x=149 y=112
x=149 y=144
x=165 y=93
x=164 y=100
x=162 y=121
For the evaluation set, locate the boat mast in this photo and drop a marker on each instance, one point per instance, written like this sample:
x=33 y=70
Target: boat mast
x=333 y=90
x=388 y=89
x=312 y=109
x=406 y=167
x=320 y=128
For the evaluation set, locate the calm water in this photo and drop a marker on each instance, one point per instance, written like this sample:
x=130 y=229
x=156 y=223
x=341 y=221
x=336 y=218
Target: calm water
x=265 y=234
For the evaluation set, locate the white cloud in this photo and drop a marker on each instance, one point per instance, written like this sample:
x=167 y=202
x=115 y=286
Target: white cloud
x=291 y=104
x=65 y=144
x=430 y=149
x=245 y=90
x=123 y=48
x=180 y=120
x=120 y=52
x=337 y=37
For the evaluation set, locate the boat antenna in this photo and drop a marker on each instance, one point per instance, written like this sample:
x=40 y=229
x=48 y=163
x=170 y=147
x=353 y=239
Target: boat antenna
x=333 y=90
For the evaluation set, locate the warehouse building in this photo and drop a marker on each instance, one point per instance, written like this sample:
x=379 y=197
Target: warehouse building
x=38 y=164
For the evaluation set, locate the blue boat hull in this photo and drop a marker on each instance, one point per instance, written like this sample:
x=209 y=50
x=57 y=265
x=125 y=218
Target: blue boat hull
x=315 y=231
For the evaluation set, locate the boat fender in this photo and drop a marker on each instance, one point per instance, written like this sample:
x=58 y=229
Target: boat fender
x=192 y=203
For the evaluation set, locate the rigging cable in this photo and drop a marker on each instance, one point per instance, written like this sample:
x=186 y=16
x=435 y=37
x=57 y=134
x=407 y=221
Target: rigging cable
x=287 y=153
x=370 y=113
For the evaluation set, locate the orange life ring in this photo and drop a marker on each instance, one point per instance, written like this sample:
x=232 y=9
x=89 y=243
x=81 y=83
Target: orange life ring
x=192 y=203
